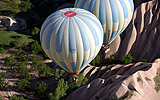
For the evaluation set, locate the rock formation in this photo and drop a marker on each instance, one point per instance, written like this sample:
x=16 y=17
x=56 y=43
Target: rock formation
x=141 y=38
x=10 y=24
x=132 y=81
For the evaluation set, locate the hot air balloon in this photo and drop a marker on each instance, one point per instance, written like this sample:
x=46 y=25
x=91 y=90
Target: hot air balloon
x=72 y=37
x=114 y=15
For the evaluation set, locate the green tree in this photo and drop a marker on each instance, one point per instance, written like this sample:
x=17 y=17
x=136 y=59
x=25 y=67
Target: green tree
x=111 y=60
x=23 y=84
x=20 y=69
x=127 y=59
x=96 y=60
x=2 y=50
x=21 y=42
x=3 y=83
x=17 y=98
x=36 y=48
x=58 y=73
x=36 y=63
x=10 y=61
x=61 y=89
x=41 y=90
x=45 y=71
x=35 y=31
x=25 y=5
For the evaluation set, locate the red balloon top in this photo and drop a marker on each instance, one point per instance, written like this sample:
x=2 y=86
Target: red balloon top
x=70 y=13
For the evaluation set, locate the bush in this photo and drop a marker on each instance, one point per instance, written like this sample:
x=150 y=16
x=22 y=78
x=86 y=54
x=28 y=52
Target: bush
x=36 y=48
x=21 y=42
x=25 y=5
x=96 y=60
x=35 y=31
x=23 y=84
x=10 y=61
x=20 y=69
x=58 y=73
x=3 y=83
x=17 y=98
x=61 y=89
x=45 y=71
x=2 y=50
x=111 y=60
x=41 y=90
x=127 y=59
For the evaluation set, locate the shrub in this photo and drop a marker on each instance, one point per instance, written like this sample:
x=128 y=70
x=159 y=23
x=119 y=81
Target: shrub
x=127 y=59
x=25 y=5
x=36 y=48
x=61 y=89
x=111 y=60
x=23 y=84
x=96 y=60
x=21 y=42
x=41 y=90
x=20 y=69
x=45 y=71
x=17 y=98
x=36 y=63
x=10 y=61
x=2 y=50
x=3 y=83
x=58 y=73
x=35 y=31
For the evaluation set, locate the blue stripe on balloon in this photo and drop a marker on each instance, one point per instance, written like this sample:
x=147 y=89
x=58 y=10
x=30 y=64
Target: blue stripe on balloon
x=91 y=5
x=76 y=3
x=99 y=25
x=74 y=66
x=114 y=11
x=125 y=9
x=113 y=36
x=84 y=37
x=64 y=65
x=122 y=30
x=102 y=13
x=131 y=4
x=72 y=39
x=83 y=3
x=49 y=33
x=105 y=38
x=46 y=24
x=94 y=33
x=59 y=37
x=83 y=65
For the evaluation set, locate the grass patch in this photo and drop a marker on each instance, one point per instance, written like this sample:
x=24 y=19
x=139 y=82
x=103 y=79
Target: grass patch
x=7 y=37
x=157 y=81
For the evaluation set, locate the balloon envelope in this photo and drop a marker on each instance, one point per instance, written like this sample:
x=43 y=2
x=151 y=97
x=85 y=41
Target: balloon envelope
x=114 y=15
x=72 y=37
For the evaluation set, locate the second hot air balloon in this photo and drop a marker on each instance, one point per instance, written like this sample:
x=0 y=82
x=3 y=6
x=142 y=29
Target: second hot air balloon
x=71 y=37
x=114 y=15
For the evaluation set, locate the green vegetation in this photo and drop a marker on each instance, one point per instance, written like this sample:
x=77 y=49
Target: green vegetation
x=17 y=98
x=139 y=79
x=8 y=37
x=3 y=83
x=147 y=79
x=111 y=60
x=23 y=84
x=96 y=60
x=41 y=90
x=35 y=31
x=58 y=74
x=10 y=61
x=2 y=50
x=36 y=48
x=157 y=80
x=127 y=59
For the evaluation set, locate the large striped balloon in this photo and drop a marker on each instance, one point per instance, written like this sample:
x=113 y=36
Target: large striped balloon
x=72 y=37
x=114 y=15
